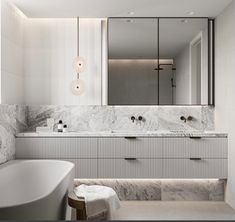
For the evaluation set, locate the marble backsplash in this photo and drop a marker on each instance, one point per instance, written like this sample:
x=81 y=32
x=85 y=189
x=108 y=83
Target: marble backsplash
x=106 y=118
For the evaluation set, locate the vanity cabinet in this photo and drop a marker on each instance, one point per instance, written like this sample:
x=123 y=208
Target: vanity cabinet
x=132 y=157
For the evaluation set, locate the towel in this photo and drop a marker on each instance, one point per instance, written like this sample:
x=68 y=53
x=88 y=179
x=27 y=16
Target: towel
x=98 y=199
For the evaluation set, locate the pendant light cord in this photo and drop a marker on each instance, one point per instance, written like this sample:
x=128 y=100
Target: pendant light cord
x=78 y=41
x=78 y=36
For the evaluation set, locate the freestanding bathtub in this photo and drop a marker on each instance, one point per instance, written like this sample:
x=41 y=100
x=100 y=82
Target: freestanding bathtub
x=35 y=189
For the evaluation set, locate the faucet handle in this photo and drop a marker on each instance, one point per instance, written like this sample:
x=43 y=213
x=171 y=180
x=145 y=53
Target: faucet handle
x=190 y=118
x=183 y=119
x=140 y=118
x=133 y=119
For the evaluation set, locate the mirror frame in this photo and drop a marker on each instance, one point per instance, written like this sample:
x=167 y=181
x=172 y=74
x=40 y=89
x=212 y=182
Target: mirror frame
x=211 y=56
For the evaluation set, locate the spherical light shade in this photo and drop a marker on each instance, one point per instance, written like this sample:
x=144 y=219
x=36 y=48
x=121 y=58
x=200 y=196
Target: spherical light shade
x=77 y=87
x=79 y=64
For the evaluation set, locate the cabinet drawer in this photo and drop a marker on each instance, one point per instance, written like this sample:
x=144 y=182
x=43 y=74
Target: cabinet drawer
x=121 y=168
x=37 y=148
x=129 y=147
x=85 y=168
x=194 y=147
x=186 y=168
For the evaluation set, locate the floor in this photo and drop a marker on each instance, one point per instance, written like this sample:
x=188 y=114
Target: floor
x=160 y=210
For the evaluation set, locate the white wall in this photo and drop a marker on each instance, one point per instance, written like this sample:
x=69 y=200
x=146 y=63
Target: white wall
x=181 y=92
x=225 y=89
x=184 y=71
x=50 y=47
x=37 y=59
x=12 y=30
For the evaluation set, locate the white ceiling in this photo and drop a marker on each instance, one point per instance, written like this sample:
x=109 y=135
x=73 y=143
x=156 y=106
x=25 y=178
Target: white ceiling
x=113 y=8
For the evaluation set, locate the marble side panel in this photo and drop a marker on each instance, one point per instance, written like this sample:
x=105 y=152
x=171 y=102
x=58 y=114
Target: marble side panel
x=165 y=190
x=217 y=190
x=193 y=190
x=8 y=129
x=129 y=189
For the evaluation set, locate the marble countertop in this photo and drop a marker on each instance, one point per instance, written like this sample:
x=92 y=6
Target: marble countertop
x=125 y=134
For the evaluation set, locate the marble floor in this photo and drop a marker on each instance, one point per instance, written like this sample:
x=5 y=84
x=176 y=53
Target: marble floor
x=174 y=210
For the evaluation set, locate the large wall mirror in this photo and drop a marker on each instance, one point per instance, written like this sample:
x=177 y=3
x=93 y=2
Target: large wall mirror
x=160 y=61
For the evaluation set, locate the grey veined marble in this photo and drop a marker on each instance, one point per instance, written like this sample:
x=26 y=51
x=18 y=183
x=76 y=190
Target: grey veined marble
x=12 y=121
x=7 y=132
x=129 y=189
x=104 y=118
x=165 y=190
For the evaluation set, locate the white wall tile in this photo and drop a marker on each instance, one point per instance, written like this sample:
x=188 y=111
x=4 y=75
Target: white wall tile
x=12 y=57
x=12 y=32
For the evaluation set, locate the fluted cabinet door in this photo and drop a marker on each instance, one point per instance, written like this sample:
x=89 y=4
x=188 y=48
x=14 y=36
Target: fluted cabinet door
x=195 y=147
x=186 y=168
x=121 y=168
x=60 y=148
x=130 y=147
x=85 y=168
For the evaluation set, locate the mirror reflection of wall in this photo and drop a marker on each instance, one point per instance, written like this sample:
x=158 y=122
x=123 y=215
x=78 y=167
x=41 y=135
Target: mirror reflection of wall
x=140 y=73
x=185 y=41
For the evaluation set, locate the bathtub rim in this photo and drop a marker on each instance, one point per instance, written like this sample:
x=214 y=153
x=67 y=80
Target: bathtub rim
x=46 y=193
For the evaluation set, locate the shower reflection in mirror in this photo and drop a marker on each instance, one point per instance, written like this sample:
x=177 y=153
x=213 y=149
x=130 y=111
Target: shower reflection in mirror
x=159 y=61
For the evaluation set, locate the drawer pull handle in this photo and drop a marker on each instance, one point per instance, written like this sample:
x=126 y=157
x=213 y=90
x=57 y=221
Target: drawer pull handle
x=130 y=159
x=195 y=158
x=130 y=137
x=195 y=137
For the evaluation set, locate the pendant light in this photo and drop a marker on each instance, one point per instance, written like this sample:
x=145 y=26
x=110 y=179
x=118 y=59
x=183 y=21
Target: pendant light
x=77 y=86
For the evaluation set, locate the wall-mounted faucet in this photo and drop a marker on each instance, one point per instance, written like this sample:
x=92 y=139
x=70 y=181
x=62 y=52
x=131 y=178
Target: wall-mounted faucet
x=189 y=118
x=133 y=119
x=140 y=118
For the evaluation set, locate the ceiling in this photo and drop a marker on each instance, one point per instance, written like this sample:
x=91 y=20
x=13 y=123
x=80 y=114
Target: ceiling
x=114 y=8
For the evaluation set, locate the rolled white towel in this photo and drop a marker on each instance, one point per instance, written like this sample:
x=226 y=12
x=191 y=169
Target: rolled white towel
x=98 y=199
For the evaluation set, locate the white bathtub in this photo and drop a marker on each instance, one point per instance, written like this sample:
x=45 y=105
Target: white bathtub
x=35 y=189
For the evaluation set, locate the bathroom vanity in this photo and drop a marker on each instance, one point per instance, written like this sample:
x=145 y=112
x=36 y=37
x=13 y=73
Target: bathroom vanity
x=132 y=155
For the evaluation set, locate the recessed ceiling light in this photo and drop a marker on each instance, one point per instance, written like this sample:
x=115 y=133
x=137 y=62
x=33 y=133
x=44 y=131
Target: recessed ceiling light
x=131 y=13
x=191 y=13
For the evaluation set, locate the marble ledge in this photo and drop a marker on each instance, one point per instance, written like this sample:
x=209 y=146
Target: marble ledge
x=125 y=134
